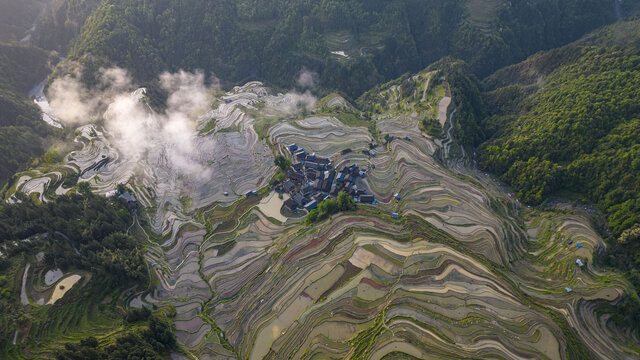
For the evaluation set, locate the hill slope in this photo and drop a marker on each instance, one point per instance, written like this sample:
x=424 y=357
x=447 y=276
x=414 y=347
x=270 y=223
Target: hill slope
x=22 y=131
x=568 y=121
x=370 y=41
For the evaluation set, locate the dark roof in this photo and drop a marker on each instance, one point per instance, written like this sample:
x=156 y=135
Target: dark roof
x=307 y=190
x=327 y=186
x=290 y=204
x=289 y=186
x=322 y=161
x=346 y=151
x=296 y=176
x=311 y=205
x=317 y=184
x=128 y=197
x=367 y=199
x=299 y=199
x=311 y=165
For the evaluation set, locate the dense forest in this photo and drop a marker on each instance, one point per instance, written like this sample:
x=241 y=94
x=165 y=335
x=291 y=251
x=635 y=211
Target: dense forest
x=18 y=16
x=78 y=232
x=151 y=343
x=352 y=45
x=22 y=132
x=567 y=122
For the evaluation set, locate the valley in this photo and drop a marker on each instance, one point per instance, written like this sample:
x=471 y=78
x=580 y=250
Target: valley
x=465 y=271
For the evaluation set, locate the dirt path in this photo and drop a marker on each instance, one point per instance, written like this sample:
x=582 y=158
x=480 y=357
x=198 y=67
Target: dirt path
x=443 y=106
x=424 y=93
x=23 y=294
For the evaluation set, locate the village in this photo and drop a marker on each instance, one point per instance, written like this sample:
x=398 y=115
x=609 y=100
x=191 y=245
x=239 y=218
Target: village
x=313 y=179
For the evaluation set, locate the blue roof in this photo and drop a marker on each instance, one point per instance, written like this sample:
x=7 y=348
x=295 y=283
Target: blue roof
x=579 y=245
x=395 y=215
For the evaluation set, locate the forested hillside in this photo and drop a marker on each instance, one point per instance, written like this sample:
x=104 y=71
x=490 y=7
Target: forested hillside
x=17 y=17
x=22 y=131
x=568 y=121
x=353 y=44
x=82 y=235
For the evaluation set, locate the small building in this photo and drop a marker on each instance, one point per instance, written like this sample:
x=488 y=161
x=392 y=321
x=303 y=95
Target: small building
x=326 y=186
x=346 y=151
x=340 y=177
x=408 y=138
x=312 y=175
x=297 y=166
x=569 y=242
x=395 y=215
x=372 y=152
x=317 y=184
x=367 y=199
x=579 y=245
x=251 y=193
x=306 y=190
x=300 y=155
x=580 y=263
x=290 y=205
x=397 y=196
x=296 y=176
x=568 y=289
x=300 y=199
x=311 y=205
x=362 y=174
x=292 y=148
x=111 y=194
x=289 y=186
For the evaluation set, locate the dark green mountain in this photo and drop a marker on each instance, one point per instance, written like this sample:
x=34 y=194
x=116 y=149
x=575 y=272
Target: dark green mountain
x=352 y=44
x=22 y=131
x=18 y=16
x=567 y=122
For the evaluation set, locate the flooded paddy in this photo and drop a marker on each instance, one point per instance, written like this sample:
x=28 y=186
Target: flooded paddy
x=272 y=204
x=446 y=280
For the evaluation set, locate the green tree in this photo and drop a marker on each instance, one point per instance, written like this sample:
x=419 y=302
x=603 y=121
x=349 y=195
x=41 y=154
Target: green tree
x=282 y=162
x=345 y=202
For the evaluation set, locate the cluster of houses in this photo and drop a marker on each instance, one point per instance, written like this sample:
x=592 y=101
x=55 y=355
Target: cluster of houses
x=313 y=179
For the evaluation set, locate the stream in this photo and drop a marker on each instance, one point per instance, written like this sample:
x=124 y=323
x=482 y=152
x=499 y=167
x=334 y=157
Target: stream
x=38 y=96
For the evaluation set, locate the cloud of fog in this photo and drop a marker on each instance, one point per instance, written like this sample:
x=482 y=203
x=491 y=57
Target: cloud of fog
x=307 y=79
x=292 y=102
x=69 y=102
x=136 y=130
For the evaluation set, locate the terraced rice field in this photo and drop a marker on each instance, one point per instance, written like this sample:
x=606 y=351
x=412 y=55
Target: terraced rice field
x=465 y=272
